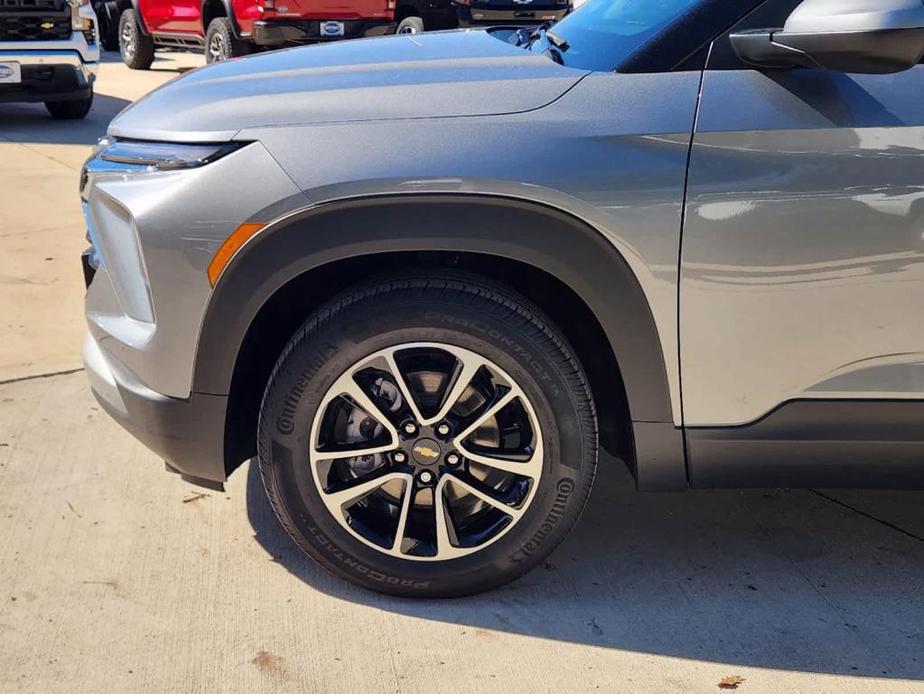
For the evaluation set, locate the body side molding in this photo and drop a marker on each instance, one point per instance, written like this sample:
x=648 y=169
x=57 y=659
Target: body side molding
x=815 y=443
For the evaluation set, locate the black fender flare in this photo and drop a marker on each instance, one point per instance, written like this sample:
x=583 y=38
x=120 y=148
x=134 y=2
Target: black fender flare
x=544 y=237
x=229 y=12
x=141 y=23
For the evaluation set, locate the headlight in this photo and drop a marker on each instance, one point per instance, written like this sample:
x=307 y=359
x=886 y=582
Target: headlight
x=164 y=156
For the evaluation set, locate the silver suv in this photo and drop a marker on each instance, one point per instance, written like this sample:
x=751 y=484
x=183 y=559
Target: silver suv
x=419 y=278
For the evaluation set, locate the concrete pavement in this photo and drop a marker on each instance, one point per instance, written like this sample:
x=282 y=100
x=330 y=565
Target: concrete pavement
x=119 y=577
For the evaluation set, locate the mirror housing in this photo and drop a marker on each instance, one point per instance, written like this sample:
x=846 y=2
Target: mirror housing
x=863 y=36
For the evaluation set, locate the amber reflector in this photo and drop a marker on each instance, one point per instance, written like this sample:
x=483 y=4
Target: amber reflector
x=232 y=245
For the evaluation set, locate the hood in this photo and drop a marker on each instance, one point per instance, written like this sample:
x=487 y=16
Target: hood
x=456 y=73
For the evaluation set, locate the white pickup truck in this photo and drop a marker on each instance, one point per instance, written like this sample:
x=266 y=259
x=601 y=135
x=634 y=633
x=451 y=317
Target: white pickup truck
x=49 y=52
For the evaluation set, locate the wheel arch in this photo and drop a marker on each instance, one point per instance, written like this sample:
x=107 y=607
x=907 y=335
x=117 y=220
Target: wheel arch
x=133 y=5
x=558 y=261
x=408 y=8
x=219 y=8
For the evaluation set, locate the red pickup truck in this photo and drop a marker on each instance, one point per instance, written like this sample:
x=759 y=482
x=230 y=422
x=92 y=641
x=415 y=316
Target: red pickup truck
x=228 y=28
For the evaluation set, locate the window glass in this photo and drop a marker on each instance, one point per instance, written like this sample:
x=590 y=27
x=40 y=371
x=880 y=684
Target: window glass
x=603 y=33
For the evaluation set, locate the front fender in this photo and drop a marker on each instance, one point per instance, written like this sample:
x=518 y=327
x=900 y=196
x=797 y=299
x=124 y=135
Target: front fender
x=543 y=237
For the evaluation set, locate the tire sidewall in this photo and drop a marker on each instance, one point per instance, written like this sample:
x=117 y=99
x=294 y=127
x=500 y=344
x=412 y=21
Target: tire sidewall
x=144 y=45
x=309 y=369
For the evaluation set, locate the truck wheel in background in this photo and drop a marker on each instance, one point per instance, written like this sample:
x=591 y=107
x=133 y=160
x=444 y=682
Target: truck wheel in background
x=137 y=49
x=410 y=25
x=220 y=43
x=108 y=16
x=73 y=109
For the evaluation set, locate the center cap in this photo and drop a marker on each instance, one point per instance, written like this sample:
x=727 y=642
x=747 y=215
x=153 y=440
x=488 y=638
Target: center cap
x=426 y=451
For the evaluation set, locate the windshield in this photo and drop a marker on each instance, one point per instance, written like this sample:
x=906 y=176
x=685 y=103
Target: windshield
x=601 y=34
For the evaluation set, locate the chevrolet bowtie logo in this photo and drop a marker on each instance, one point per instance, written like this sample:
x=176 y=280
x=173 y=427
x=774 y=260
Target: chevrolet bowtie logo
x=47 y=25
x=426 y=452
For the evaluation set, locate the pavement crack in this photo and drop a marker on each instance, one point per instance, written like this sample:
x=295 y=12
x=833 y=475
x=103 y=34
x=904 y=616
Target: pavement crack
x=50 y=374
x=870 y=516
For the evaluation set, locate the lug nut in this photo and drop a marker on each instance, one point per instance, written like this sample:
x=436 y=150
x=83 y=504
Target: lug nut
x=399 y=457
x=409 y=428
x=443 y=429
x=453 y=459
x=426 y=477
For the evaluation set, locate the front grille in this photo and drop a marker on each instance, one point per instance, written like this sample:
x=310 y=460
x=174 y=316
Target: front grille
x=32 y=5
x=34 y=27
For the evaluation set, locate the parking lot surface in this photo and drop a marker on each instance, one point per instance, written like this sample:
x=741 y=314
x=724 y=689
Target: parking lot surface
x=119 y=577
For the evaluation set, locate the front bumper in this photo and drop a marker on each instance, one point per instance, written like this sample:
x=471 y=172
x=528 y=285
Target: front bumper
x=48 y=75
x=152 y=236
x=473 y=15
x=280 y=32
x=187 y=433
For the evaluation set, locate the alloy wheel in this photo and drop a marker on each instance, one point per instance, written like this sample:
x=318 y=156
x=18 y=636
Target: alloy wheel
x=217 y=48
x=128 y=41
x=426 y=451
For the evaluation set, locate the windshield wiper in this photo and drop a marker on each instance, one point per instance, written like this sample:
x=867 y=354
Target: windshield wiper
x=557 y=45
x=557 y=41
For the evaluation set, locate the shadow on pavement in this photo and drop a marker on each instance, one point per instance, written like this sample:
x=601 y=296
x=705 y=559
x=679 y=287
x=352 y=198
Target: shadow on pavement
x=782 y=579
x=31 y=123
x=163 y=61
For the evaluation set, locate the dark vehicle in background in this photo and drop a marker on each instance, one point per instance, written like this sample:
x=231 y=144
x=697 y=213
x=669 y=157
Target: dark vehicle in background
x=509 y=12
x=416 y=16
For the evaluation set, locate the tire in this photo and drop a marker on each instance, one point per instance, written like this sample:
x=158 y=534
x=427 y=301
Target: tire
x=108 y=15
x=220 y=43
x=410 y=25
x=136 y=48
x=429 y=316
x=73 y=109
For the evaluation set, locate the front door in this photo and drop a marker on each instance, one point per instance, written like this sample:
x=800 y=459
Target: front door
x=802 y=274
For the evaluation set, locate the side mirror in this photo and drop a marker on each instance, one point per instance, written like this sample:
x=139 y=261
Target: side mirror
x=865 y=36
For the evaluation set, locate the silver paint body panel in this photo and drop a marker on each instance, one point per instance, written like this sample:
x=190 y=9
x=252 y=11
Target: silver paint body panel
x=175 y=250
x=433 y=75
x=854 y=15
x=803 y=250
x=610 y=149
x=799 y=274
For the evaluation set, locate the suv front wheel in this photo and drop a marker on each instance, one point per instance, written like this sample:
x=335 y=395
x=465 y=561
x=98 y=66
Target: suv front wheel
x=430 y=437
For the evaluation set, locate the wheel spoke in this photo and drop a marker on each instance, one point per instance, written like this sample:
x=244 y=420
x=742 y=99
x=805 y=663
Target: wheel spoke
x=468 y=367
x=444 y=547
x=347 y=386
x=319 y=456
x=402 y=385
x=485 y=497
x=344 y=497
x=531 y=468
x=486 y=415
x=406 y=503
